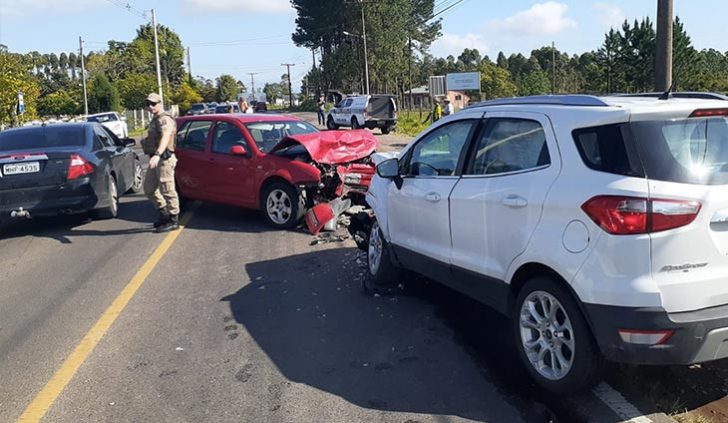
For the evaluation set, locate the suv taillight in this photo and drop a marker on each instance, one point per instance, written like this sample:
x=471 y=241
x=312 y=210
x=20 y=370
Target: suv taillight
x=79 y=167
x=364 y=113
x=634 y=215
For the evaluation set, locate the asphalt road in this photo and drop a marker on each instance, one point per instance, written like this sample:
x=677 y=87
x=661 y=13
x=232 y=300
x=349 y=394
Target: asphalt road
x=241 y=323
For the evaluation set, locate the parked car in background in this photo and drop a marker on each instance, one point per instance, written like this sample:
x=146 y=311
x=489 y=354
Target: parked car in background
x=275 y=163
x=65 y=168
x=197 y=109
x=366 y=111
x=599 y=225
x=211 y=107
x=111 y=120
x=260 y=106
x=223 y=108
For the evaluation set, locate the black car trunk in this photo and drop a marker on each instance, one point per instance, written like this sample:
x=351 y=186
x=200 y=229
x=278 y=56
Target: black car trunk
x=34 y=170
x=381 y=107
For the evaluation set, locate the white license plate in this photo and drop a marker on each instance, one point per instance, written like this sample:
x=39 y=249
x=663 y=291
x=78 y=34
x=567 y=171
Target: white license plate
x=18 y=168
x=381 y=122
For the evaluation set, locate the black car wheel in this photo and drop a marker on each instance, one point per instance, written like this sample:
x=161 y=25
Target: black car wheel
x=331 y=124
x=138 y=182
x=112 y=210
x=386 y=130
x=355 y=123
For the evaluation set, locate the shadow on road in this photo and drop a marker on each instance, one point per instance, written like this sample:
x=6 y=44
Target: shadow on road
x=386 y=353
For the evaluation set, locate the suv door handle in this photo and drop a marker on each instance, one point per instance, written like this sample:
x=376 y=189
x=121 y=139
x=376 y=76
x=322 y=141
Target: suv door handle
x=433 y=197
x=514 y=201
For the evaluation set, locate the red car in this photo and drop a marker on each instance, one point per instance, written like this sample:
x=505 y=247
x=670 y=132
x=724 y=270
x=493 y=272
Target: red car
x=279 y=164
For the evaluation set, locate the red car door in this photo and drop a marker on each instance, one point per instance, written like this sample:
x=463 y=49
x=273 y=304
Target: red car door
x=193 y=159
x=232 y=176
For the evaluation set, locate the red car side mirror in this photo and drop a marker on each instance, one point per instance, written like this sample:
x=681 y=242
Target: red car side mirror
x=238 y=150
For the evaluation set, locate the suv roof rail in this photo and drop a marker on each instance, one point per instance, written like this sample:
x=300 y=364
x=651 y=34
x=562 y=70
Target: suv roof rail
x=559 y=100
x=700 y=95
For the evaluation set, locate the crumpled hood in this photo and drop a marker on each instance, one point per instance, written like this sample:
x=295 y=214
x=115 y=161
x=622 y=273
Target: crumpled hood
x=333 y=147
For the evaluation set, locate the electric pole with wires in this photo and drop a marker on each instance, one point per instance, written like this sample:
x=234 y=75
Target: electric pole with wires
x=290 y=90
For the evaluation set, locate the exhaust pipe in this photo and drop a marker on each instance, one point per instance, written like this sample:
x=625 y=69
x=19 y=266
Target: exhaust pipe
x=20 y=213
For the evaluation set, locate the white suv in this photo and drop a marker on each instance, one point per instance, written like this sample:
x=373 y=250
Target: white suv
x=598 y=224
x=111 y=120
x=366 y=111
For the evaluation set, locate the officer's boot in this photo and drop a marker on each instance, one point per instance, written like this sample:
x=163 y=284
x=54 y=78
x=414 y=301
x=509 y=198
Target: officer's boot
x=171 y=225
x=163 y=218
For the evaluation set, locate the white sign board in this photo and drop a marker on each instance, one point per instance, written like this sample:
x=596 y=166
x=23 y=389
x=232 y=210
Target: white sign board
x=463 y=81
x=21 y=103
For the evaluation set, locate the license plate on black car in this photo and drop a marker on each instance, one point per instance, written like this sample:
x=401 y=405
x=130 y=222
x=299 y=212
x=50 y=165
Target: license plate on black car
x=19 y=168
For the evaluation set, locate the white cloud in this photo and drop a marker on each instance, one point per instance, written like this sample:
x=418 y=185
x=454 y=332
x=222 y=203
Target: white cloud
x=252 y=6
x=541 y=19
x=455 y=44
x=17 y=8
x=611 y=16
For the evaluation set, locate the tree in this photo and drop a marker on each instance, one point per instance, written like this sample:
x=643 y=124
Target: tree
x=102 y=96
x=495 y=82
x=135 y=88
x=185 y=96
x=206 y=89
x=227 y=88
x=15 y=77
x=685 y=59
x=171 y=52
x=273 y=90
x=396 y=30
x=72 y=64
x=58 y=103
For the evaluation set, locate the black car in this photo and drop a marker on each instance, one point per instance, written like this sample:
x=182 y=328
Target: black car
x=65 y=168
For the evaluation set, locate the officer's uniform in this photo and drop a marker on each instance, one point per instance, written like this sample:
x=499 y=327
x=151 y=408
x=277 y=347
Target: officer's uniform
x=159 y=182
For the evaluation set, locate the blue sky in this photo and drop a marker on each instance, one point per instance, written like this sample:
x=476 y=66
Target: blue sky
x=243 y=36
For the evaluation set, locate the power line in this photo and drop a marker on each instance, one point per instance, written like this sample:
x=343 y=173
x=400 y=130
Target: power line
x=128 y=7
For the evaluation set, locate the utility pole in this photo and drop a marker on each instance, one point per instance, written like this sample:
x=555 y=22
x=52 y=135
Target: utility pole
x=156 y=52
x=83 y=77
x=252 y=82
x=290 y=91
x=189 y=65
x=553 y=67
x=411 y=105
x=663 y=56
x=364 y=37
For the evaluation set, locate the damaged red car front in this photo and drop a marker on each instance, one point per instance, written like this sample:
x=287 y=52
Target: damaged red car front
x=344 y=159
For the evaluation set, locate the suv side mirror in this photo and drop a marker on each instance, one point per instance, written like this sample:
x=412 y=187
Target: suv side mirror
x=128 y=142
x=238 y=150
x=388 y=169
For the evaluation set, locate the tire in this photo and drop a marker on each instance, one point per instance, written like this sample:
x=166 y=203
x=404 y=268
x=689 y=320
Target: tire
x=382 y=273
x=112 y=210
x=582 y=361
x=330 y=124
x=386 y=130
x=355 y=123
x=282 y=205
x=138 y=183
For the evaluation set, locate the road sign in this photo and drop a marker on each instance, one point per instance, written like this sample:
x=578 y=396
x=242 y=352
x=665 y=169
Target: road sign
x=463 y=81
x=21 y=104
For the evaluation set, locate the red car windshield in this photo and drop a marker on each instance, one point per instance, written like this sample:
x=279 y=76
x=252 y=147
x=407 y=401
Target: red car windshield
x=267 y=134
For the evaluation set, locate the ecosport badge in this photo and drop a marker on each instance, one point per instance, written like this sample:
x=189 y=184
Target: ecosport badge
x=683 y=267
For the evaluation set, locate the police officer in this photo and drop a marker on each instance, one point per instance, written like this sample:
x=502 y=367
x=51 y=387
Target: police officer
x=159 y=181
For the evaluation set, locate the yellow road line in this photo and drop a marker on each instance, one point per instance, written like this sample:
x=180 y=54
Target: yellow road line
x=43 y=401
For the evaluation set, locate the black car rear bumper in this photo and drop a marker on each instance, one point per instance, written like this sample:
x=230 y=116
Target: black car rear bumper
x=73 y=196
x=698 y=336
x=379 y=123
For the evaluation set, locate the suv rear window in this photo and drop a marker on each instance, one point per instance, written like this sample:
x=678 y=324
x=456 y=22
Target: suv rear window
x=690 y=151
x=58 y=135
x=607 y=149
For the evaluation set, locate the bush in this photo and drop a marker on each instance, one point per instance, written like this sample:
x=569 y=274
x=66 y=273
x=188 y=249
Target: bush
x=410 y=124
